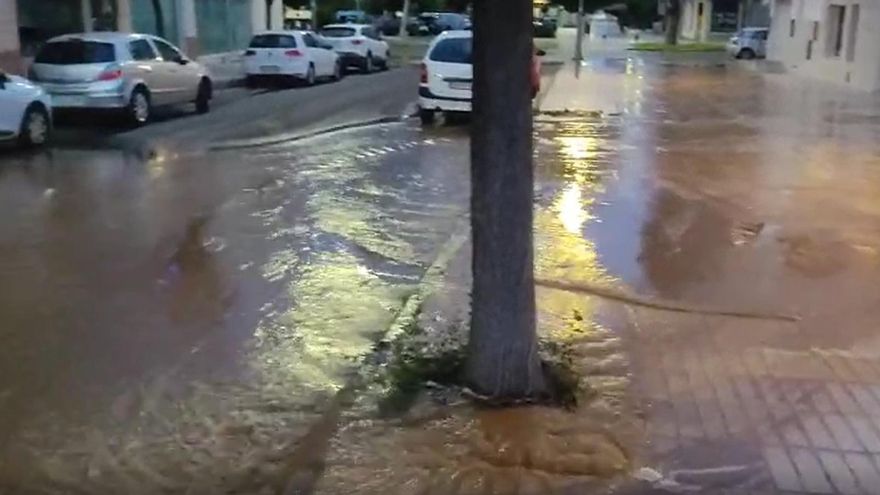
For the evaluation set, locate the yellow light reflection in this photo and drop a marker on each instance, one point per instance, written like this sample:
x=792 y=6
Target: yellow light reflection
x=571 y=209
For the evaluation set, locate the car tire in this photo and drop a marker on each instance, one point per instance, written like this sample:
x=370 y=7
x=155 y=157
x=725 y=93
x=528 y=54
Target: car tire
x=36 y=127
x=368 y=63
x=310 y=76
x=250 y=81
x=203 y=99
x=426 y=116
x=337 y=71
x=384 y=64
x=747 y=54
x=139 y=109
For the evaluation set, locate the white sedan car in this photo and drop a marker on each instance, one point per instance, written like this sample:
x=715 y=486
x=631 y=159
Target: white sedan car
x=358 y=45
x=25 y=112
x=301 y=55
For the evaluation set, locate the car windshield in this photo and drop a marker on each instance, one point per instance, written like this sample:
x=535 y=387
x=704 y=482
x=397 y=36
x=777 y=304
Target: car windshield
x=453 y=50
x=75 y=52
x=338 y=32
x=273 y=41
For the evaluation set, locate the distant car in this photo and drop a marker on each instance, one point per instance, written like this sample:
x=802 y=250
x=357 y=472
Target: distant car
x=25 y=111
x=749 y=43
x=358 y=45
x=388 y=26
x=294 y=55
x=544 y=28
x=128 y=72
x=352 y=17
x=422 y=25
x=446 y=83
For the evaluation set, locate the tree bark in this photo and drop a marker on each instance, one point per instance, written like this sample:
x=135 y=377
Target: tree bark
x=502 y=356
x=160 y=18
x=673 y=16
x=405 y=18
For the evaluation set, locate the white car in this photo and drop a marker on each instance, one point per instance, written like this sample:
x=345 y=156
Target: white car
x=447 y=75
x=127 y=72
x=358 y=45
x=25 y=111
x=294 y=54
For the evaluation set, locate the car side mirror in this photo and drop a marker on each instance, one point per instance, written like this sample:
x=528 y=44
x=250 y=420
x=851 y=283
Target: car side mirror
x=541 y=53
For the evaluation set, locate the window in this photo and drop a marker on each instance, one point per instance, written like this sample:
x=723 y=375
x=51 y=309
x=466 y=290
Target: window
x=791 y=28
x=75 y=51
x=166 y=51
x=453 y=50
x=309 y=40
x=338 y=32
x=273 y=41
x=852 y=32
x=369 y=33
x=141 y=50
x=836 y=16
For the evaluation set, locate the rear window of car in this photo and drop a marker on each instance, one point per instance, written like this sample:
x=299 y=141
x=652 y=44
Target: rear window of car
x=338 y=32
x=75 y=52
x=453 y=50
x=273 y=41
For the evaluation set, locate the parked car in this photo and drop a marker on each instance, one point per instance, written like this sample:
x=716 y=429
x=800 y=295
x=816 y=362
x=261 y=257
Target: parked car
x=749 y=43
x=388 y=25
x=132 y=73
x=25 y=111
x=352 y=17
x=294 y=55
x=428 y=23
x=358 y=45
x=447 y=75
x=544 y=27
x=422 y=24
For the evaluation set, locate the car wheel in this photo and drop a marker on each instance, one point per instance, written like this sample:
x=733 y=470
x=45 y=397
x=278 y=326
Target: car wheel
x=384 y=64
x=35 y=127
x=139 y=109
x=747 y=54
x=337 y=71
x=426 y=116
x=203 y=100
x=310 y=76
x=368 y=63
x=250 y=81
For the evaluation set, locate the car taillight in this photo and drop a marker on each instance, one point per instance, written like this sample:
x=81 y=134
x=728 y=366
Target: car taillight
x=356 y=42
x=248 y=53
x=424 y=74
x=293 y=53
x=110 y=75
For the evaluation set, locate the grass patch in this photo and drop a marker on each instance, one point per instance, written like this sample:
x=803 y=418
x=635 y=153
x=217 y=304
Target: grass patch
x=679 y=48
x=405 y=51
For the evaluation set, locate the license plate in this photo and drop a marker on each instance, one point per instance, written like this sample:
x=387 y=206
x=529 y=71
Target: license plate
x=464 y=86
x=270 y=69
x=69 y=101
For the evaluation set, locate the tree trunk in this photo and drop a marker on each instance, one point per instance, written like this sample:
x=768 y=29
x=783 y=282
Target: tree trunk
x=160 y=18
x=502 y=354
x=673 y=19
x=405 y=18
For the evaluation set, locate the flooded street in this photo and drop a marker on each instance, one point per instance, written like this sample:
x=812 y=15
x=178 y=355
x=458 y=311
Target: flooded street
x=185 y=324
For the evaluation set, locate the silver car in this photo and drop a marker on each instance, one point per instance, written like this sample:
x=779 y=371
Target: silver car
x=749 y=43
x=132 y=73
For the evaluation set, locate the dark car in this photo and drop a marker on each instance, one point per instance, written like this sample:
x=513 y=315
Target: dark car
x=422 y=24
x=437 y=22
x=544 y=28
x=389 y=26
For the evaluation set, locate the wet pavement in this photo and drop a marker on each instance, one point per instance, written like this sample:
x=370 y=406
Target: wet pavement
x=183 y=324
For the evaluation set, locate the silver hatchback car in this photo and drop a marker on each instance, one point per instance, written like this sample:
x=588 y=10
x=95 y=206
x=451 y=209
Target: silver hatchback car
x=132 y=73
x=749 y=43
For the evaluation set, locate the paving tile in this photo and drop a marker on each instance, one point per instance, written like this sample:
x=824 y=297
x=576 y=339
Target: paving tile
x=784 y=475
x=863 y=396
x=842 y=432
x=817 y=432
x=865 y=471
x=792 y=435
x=842 y=399
x=812 y=476
x=866 y=432
x=839 y=473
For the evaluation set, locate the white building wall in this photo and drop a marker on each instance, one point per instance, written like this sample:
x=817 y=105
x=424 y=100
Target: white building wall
x=693 y=25
x=808 y=53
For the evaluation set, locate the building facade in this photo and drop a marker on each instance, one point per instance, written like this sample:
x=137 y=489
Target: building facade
x=198 y=26
x=696 y=19
x=831 y=40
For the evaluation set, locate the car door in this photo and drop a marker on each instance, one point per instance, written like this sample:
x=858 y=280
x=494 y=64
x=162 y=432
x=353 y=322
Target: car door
x=179 y=81
x=12 y=107
x=144 y=63
x=317 y=55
